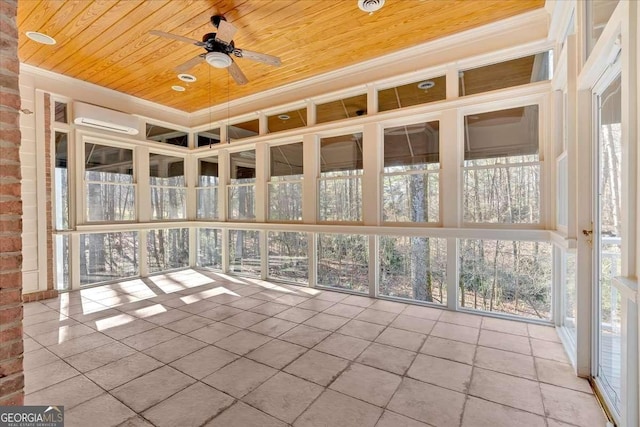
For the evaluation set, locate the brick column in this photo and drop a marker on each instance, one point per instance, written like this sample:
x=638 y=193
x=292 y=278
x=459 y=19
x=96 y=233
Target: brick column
x=11 y=347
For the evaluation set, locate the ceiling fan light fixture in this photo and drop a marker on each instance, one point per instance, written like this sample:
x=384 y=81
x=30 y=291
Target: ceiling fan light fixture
x=40 y=37
x=370 y=6
x=218 y=59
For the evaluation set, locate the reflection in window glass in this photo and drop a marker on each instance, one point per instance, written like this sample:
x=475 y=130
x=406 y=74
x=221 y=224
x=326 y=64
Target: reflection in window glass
x=60 y=112
x=288 y=120
x=415 y=93
x=411 y=173
x=502 y=169
x=288 y=257
x=244 y=252
x=343 y=262
x=168 y=187
x=110 y=189
x=342 y=109
x=285 y=184
x=108 y=256
x=516 y=72
x=61 y=179
x=510 y=277
x=167 y=249
x=598 y=14
x=166 y=135
x=207 y=190
x=340 y=192
x=413 y=268
x=569 y=301
x=243 y=130
x=209 y=137
x=62 y=262
x=210 y=248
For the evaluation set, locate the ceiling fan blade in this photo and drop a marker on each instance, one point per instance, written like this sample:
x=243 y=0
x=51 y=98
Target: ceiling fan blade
x=186 y=66
x=176 y=37
x=260 y=57
x=225 y=32
x=237 y=74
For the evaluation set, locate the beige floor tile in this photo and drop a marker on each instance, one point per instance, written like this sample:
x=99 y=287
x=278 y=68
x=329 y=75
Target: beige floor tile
x=423 y=312
x=365 y=330
x=45 y=314
x=245 y=319
x=124 y=370
x=269 y=308
x=506 y=326
x=555 y=423
x=549 y=350
x=391 y=419
x=376 y=316
x=571 y=406
x=481 y=413
x=273 y=327
x=191 y=407
x=441 y=372
x=240 y=377
x=296 y=314
x=189 y=324
x=102 y=411
x=448 y=349
x=243 y=415
x=305 y=335
x=284 y=396
x=326 y=321
x=337 y=410
x=389 y=306
x=37 y=358
x=508 y=390
x=429 y=403
x=455 y=332
x=506 y=362
x=387 y=358
x=316 y=304
x=276 y=353
x=331 y=296
x=34 y=308
x=44 y=376
x=220 y=313
x=503 y=341
x=214 y=332
x=464 y=319
x=50 y=325
x=80 y=344
x=317 y=367
x=366 y=383
x=411 y=341
x=358 y=301
x=542 y=332
x=204 y=362
x=246 y=303
x=174 y=349
x=133 y=328
x=243 y=342
x=167 y=317
x=67 y=393
x=291 y=299
x=29 y=344
x=413 y=324
x=137 y=421
x=62 y=335
x=149 y=389
x=150 y=338
x=344 y=310
x=199 y=307
x=99 y=356
x=342 y=346
x=560 y=374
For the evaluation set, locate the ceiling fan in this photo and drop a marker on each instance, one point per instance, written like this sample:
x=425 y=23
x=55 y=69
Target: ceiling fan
x=220 y=48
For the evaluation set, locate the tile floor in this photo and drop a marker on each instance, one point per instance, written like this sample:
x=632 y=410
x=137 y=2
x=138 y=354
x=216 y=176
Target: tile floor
x=195 y=348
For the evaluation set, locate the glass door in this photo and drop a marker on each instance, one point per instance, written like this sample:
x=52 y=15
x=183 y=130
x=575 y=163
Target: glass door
x=607 y=240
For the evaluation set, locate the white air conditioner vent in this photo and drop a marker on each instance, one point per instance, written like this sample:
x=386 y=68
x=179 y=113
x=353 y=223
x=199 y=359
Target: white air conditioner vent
x=105 y=119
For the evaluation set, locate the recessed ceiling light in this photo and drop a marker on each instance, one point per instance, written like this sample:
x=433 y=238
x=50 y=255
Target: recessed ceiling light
x=178 y=88
x=284 y=117
x=426 y=85
x=40 y=38
x=188 y=78
x=370 y=6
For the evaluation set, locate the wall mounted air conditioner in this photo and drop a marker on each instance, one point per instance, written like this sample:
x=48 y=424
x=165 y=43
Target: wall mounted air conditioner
x=105 y=119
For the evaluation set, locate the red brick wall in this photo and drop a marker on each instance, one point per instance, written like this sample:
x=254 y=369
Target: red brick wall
x=11 y=347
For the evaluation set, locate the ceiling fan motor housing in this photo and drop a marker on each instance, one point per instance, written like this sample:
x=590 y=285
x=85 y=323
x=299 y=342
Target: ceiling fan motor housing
x=212 y=45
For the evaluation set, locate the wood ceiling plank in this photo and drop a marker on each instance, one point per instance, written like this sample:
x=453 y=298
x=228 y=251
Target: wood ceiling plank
x=25 y=9
x=38 y=17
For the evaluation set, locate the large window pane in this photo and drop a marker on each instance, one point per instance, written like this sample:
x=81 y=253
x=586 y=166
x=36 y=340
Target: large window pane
x=166 y=135
x=415 y=93
x=62 y=262
x=61 y=180
x=242 y=186
x=210 y=248
x=511 y=277
x=243 y=130
x=288 y=257
x=167 y=249
x=207 y=190
x=569 y=297
x=598 y=13
x=287 y=120
x=285 y=184
x=353 y=106
x=411 y=178
x=109 y=183
x=208 y=137
x=108 y=256
x=413 y=268
x=244 y=252
x=343 y=262
x=168 y=189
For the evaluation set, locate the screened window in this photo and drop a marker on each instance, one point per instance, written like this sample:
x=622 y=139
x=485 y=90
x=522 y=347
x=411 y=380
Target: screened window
x=288 y=257
x=502 y=168
x=210 y=248
x=209 y=137
x=340 y=184
x=411 y=173
x=288 y=120
x=166 y=135
x=208 y=187
x=61 y=180
x=243 y=130
x=62 y=262
x=168 y=187
x=343 y=262
x=108 y=256
x=285 y=184
x=516 y=72
x=242 y=185
x=167 y=249
x=415 y=93
x=60 y=112
x=598 y=14
x=244 y=252
x=110 y=189
x=342 y=109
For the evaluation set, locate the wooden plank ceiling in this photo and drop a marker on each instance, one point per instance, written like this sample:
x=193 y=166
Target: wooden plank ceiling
x=107 y=42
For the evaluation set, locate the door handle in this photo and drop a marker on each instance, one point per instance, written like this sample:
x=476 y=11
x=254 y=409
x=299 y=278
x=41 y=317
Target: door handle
x=589 y=235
